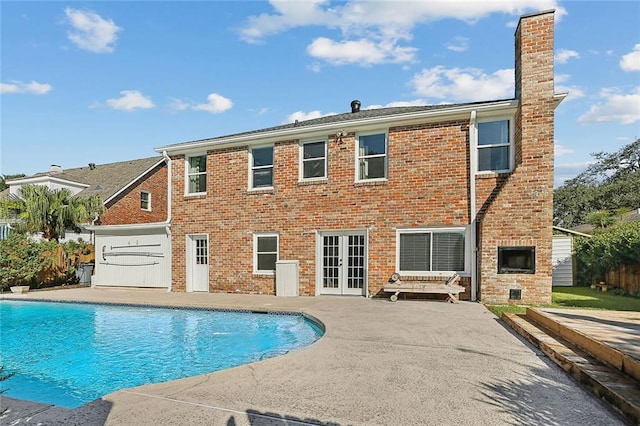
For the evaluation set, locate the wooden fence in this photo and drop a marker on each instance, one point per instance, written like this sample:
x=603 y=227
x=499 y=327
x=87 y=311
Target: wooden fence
x=626 y=277
x=60 y=268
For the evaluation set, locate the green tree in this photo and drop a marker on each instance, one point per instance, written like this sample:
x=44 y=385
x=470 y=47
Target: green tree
x=52 y=212
x=611 y=183
x=600 y=219
x=5 y=178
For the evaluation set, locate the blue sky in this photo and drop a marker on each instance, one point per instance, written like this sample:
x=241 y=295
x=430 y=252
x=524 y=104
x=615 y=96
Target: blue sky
x=101 y=82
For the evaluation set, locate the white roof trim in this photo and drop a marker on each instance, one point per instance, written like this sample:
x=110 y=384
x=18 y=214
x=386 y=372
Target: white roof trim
x=134 y=180
x=324 y=128
x=569 y=231
x=29 y=180
x=133 y=226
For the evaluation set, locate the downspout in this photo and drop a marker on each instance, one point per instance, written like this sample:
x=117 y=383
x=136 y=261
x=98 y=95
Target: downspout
x=473 y=166
x=168 y=227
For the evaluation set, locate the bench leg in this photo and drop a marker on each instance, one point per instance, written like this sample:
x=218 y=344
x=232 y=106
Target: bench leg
x=394 y=297
x=452 y=298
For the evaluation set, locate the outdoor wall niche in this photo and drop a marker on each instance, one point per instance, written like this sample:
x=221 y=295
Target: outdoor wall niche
x=517 y=260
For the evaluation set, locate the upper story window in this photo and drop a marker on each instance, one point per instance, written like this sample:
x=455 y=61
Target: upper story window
x=313 y=160
x=494 y=146
x=372 y=156
x=265 y=253
x=421 y=251
x=261 y=167
x=145 y=200
x=197 y=174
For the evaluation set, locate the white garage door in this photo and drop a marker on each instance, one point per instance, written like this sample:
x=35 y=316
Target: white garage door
x=562 y=261
x=132 y=256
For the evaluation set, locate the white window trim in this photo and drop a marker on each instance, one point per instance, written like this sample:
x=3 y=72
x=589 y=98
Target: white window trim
x=511 y=144
x=256 y=271
x=187 y=175
x=301 y=161
x=251 y=168
x=386 y=156
x=148 y=209
x=467 y=248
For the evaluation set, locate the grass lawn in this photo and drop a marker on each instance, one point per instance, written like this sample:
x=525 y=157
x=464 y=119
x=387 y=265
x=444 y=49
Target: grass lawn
x=579 y=298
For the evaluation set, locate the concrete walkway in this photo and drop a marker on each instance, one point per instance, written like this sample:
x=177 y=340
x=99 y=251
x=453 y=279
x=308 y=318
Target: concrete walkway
x=379 y=363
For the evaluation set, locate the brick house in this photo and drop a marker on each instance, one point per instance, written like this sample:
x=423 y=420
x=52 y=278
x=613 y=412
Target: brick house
x=354 y=197
x=133 y=191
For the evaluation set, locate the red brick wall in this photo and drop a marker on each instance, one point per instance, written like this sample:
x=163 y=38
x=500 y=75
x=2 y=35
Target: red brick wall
x=125 y=208
x=521 y=209
x=427 y=186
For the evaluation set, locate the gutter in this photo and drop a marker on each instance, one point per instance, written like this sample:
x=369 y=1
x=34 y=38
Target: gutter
x=473 y=163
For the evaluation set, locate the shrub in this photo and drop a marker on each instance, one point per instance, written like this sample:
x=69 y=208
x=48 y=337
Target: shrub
x=22 y=259
x=608 y=249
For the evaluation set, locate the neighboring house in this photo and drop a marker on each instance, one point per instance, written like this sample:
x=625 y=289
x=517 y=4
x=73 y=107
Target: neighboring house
x=133 y=191
x=424 y=191
x=135 y=198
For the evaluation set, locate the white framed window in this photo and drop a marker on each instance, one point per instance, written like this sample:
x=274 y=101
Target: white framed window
x=430 y=251
x=196 y=174
x=145 y=200
x=495 y=145
x=261 y=167
x=313 y=160
x=265 y=252
x=371 y=158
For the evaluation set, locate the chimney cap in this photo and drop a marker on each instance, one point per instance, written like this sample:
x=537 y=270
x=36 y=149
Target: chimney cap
x=355 y=106
x=55 y=168
x=92 y=166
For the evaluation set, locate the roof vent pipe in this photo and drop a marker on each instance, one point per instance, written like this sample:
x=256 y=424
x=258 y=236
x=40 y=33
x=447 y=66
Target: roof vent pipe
x=92 y=166
x=355 y=106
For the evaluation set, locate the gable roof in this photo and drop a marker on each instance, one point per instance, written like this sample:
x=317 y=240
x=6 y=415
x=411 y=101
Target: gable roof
x=349 y=118
x=105 y=180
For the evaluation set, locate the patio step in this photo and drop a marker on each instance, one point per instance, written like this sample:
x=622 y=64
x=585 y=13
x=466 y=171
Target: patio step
x=619 y=390
x=601 y=351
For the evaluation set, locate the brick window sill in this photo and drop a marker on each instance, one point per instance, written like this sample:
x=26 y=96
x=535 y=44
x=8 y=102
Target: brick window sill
x=372 y=183
x=313 y=182
x=261 y=191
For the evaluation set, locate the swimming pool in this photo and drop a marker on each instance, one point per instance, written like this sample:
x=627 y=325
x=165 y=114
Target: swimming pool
x=69 y=354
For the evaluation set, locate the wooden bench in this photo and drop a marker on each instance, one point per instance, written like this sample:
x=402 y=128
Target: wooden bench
x=447 y=285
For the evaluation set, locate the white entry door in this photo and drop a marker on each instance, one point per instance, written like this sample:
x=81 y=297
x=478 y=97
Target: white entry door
x=344 y=269
x=198 y=251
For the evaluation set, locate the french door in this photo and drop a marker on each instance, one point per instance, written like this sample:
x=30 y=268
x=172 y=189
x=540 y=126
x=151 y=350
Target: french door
x=343 y=257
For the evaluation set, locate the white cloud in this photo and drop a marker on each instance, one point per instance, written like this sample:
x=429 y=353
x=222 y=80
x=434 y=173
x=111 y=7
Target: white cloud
x=178 y=105
x=574 y=92
x=215 y=104
x=32 y=88
x=415 y=102
x=302 y=116
x=631 y=61
x=91 y=32
x=362 y=52
x=562 y=56
x=616 y=107
x=459 y=44
x=561 y=150
x=463 y=84
x=130 y=100
x=371 y=31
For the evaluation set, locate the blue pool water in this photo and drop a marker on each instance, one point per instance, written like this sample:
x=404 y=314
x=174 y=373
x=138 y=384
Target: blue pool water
x=68 y=354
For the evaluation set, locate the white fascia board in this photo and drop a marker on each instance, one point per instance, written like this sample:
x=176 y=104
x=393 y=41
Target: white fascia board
x=41 y=179
x=558 y=98
x=133 y=226
x=124 y=188
x=363 y=124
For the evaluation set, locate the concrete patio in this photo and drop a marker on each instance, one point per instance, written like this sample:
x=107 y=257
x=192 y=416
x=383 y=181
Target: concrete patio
x=379 y=363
